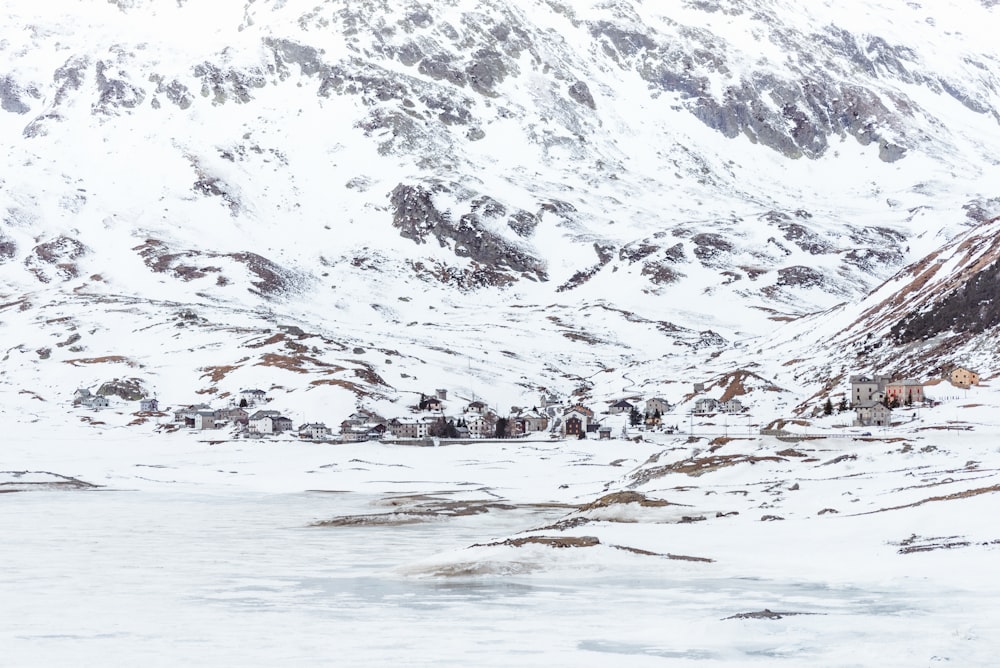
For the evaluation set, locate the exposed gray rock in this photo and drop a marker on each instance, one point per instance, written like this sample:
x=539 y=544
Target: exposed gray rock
x=675 y=253
x=129 y=389
x=710 y=246
x=800 y=276
x=661 y=273
x=8 y=249
x=11 y=96
x=115 y=91
x=580 y=93
x=636 y=251
x=523 y=223
x=801 y=236
x=417 y=218
x=409 y=54
x=440 y=67
x=486 y=71
x=287 y=52
x=224 y=85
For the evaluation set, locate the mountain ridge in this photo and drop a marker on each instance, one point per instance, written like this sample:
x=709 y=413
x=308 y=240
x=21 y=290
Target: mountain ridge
x=607 y=177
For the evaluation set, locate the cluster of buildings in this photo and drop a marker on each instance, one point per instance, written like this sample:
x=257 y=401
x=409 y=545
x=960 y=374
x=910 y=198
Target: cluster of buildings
x=874 y=397
x=475 y=420
x=247 y=415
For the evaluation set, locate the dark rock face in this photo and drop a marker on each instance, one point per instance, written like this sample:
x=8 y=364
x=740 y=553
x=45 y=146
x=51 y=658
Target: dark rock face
x=11 y=96
x=971 y=308
x=287 y=52
x=661 y=273
x=115 y=91
x=417 y=218
x=440 y=67
x=580 y=93
x=486 y=71
x=8 y=249
x=272 y=280
x=174 y=91
x=231 y=84
x=269 y=279
x=803 y=238
x=800 y=276
x=876 y=248
x=983 y=210
x=795 y=116
x=709 y=247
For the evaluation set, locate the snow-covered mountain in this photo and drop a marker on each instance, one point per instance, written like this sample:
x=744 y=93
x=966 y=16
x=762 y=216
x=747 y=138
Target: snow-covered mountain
x=357 y=201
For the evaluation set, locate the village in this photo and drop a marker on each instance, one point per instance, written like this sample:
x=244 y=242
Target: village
x=435 y=418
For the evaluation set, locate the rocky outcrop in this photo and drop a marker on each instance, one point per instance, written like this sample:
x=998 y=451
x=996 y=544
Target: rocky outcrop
x=56 y=259
x=417 y=217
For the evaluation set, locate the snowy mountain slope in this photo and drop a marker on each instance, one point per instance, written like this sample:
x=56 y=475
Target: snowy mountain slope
x=547 y=194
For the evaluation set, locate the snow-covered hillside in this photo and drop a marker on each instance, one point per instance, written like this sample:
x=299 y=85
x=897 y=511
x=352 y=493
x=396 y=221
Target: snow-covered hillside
x=355 y=201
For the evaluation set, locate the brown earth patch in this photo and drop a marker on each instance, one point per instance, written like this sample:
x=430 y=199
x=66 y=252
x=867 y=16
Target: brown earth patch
x=550 y=541
x=617 y=498
x=217 y=373
x=697 y=466
x=967 y=494
x=790 y=452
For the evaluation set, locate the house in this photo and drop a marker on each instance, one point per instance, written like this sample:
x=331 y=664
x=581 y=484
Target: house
x=706 y=405
x=604 y=433
x=441 y=394
x=962 y=377
x=252 y=397
x=731 y=406
x=269 y=422
x=620 y=407
x=409 y=428
x=904 y=391
x=314 y=431
x=658 y=405
x=430 y=403
x=149 y=406
x=868 y=388
x=576 y=420
x=83 y=397
x=481 y=425
x=233 y=414
x=476 y=408
x=187 y=414
x=352 y=432
x=872 y=413
x=531 y=421
x=205 y=420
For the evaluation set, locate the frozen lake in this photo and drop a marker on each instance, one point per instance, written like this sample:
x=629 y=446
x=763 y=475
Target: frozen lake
x=161 y=577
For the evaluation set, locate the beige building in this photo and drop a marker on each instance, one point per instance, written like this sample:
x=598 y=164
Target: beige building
x=962 y=377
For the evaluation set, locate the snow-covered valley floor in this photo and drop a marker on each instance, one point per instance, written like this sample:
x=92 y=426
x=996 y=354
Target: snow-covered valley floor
x=248 y=554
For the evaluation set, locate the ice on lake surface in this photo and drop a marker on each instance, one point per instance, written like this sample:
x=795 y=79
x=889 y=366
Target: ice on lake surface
x=172 y=578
